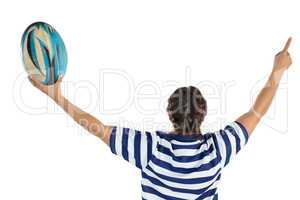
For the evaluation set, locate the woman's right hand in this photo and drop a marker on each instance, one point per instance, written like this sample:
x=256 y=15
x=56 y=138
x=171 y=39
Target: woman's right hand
x=283 y=59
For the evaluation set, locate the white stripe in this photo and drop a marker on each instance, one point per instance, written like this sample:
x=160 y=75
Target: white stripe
x=187 y=165
x=131 y=135
x=222 y=147
x=143 y=150
x=182 y=152
x=155 y=139
x=149 y=196
x=118 y=142
x=210 y=198
x=232 y=140
x=188 y=152
x=185 y=143
x=169 y=192
x=239 y=132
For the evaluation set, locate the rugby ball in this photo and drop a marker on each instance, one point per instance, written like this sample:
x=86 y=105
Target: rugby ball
x=44 y=53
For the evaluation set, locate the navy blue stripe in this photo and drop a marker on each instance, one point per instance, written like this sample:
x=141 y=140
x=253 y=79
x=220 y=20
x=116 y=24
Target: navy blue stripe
x=157 y=182
x=150 y=190
x=184 y=181
x=125 y=143
x=112 y=140
x=192 y=146
x=184 y=159
x=215 y=197
x=149 y=146
x=227 y=146
x=216 y=146
x=209 y=193
x=244 y=130
x=236 y=136
x=137 y=149
x=180 y=138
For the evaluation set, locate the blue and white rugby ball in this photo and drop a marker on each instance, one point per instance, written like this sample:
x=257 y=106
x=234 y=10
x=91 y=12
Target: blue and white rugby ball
x=44 y=53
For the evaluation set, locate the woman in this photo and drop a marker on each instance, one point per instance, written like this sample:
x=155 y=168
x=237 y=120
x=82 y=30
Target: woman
x=184 y=163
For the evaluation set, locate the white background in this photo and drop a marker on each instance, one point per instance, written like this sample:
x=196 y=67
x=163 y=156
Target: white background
x=43 y=155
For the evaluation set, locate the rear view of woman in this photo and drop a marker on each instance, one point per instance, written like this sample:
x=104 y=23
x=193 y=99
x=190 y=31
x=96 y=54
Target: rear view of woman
x=183 y=164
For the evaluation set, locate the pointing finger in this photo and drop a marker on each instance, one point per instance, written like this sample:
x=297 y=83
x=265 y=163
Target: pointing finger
x=287 y=45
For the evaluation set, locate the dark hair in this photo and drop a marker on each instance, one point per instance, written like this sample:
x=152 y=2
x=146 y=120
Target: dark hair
x=187 y=109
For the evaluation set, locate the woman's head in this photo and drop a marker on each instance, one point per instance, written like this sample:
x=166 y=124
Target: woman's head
x=187 y=109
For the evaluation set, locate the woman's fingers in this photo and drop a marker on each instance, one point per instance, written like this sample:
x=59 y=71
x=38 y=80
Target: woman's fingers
x=32 y=80
x=287 y=45
x=36 y=83
x=59 y=80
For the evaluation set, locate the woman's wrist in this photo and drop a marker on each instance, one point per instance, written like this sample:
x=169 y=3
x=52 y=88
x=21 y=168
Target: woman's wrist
x=59 y=99
x=276 y=76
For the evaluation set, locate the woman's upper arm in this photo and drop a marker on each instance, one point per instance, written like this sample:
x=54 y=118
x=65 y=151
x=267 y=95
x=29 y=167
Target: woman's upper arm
x=132 y=145
x=249 y=120
x=106 y=134
x=229 y=141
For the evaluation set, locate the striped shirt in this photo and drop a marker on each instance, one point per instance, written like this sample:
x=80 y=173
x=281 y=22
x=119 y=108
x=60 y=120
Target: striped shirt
x=179 y=167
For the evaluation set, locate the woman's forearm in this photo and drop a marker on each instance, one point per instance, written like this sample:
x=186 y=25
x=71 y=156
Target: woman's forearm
x=87 y=121
x=266 y=95
x=262 y=103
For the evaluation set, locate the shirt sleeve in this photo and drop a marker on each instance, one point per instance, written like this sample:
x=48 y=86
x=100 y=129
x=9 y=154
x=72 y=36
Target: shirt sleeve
x=230 y=141
x=134 y=146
